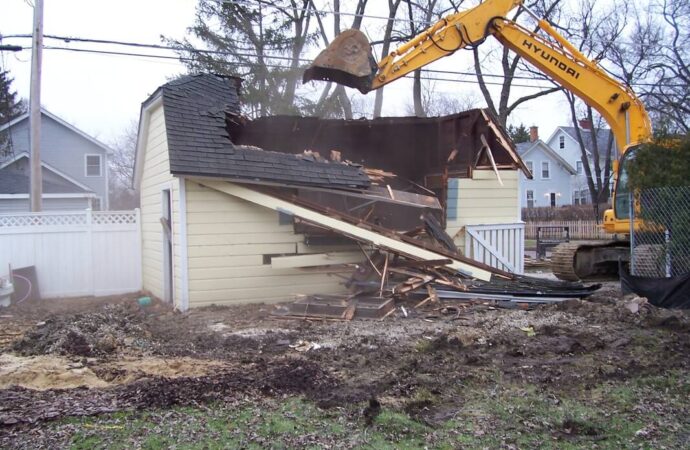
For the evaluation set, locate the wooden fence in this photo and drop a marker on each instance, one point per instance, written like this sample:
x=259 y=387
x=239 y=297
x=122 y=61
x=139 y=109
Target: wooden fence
x=579 y=229
x=75 y=252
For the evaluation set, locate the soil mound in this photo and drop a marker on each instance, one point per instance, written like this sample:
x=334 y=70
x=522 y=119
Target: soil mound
x=90 y=334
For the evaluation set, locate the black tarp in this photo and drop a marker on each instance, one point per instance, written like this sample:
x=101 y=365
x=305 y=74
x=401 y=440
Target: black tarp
x=673 y=292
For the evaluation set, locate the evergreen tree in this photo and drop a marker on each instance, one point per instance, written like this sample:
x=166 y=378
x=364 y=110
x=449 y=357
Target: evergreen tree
x=10 y=108
x=518 y=133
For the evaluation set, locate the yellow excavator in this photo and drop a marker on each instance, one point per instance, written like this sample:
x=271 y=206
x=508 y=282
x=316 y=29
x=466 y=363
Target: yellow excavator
x=349 y=61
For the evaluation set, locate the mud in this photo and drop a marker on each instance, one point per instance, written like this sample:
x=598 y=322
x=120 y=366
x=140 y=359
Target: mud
x=116 y=355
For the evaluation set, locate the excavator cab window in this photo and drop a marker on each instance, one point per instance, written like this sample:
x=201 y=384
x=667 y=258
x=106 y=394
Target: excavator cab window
x=622 y=198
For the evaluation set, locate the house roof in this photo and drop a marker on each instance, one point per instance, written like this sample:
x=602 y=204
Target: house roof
x=603 y=135
x=526 y=147
x=62 y=122
x=14 y=182
x=197 y=109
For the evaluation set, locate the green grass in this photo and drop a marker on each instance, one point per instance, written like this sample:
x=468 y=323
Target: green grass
x=608 y=415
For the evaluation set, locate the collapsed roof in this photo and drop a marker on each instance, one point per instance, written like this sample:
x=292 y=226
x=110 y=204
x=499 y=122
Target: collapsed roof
x=208 y=137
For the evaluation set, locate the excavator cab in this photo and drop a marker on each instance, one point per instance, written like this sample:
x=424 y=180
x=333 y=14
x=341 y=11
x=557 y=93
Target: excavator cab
x=348 y=60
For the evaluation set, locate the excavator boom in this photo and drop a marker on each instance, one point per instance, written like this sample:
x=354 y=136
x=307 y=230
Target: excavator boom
x=349 y=61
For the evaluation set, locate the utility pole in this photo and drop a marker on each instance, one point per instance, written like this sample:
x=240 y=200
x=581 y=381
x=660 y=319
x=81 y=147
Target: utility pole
x=36 y=177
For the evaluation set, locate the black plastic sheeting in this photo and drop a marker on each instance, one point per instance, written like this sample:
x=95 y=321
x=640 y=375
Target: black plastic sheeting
x=671 y=292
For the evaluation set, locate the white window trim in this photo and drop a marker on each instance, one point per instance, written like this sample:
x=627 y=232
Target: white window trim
x=579 y=167
x=527 y=197
x=530 y=166
x=548 y=169
x=100 y=165
x=561 y=142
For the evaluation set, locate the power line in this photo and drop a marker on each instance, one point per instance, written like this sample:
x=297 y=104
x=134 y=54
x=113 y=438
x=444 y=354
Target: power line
x=249 y=64
x=338 y=13
x=68 y=39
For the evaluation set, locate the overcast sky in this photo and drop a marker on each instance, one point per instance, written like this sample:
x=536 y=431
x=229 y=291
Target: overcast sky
x=102 y=94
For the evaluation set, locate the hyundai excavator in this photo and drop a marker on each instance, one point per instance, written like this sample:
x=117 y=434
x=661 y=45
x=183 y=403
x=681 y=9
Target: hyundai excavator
x=349 y=61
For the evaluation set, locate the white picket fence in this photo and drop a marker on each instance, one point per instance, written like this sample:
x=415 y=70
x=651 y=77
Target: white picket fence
x=579 y=229
x=76 y=253
x=498 y=245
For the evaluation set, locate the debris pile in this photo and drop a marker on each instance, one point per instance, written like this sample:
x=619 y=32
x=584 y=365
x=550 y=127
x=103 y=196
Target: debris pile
x=387 y=278
x=91 y=334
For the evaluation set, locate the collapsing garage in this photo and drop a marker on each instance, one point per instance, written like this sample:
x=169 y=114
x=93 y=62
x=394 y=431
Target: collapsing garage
x=245 y=211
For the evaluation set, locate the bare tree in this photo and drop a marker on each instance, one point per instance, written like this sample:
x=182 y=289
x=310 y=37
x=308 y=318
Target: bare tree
x=419 y=17
x=594 y=31
x=121 y=170
x=669 y=95
x=434 y=103
x=511 y=66
x=392 y=11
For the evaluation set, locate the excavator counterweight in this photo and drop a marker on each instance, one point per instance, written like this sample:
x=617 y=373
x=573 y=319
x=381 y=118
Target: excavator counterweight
x=348 y=60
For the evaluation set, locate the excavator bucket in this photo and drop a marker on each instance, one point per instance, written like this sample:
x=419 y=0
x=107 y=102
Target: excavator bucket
x=347 y=61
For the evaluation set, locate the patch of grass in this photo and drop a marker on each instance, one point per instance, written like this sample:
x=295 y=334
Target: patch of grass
x=639 y=412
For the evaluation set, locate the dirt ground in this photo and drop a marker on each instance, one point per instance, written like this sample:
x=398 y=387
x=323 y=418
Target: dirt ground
x=588 y=373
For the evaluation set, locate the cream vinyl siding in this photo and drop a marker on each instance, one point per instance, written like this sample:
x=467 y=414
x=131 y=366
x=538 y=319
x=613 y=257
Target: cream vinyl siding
x=482 y=200
x=227 y=239
x=155 y=178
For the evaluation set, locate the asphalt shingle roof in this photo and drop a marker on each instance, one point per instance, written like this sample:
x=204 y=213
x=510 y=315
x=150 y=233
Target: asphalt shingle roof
x=522 y=147
x=196 y=109
x=14 y=182
x=603 y=135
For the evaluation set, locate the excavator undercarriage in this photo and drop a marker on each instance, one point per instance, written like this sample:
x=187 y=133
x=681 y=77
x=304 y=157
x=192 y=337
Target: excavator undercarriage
x=589 y=260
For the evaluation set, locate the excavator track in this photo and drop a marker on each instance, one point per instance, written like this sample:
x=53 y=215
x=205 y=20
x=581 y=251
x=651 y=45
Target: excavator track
x=588 y=260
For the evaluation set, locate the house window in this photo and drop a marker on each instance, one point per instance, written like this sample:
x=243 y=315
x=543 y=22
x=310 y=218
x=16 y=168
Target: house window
x=584 y=196
x=96 y=204
x=93 y=165
x=561 y=142
x=579 y=167
x=530 y=198
x=576 y=197
x=530 y=166
x=545 y=175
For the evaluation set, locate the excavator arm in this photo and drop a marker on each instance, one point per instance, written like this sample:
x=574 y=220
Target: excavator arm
x=349 y=61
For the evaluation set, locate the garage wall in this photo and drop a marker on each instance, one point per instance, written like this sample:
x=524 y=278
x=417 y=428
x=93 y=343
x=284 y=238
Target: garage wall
x=481 y=200
x=155 y=178
x=229 y=246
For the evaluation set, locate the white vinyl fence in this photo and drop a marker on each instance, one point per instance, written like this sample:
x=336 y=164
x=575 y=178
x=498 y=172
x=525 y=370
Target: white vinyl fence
x=579 y=229
x=76 y=253
x=499 y=245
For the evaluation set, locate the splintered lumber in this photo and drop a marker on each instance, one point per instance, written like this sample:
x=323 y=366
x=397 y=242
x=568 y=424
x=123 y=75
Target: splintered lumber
x=436 y=231
x=384 y=239
x=423 y=302
x=433 y=295
x=424 y=264
x=366 y=255
x=383 y=276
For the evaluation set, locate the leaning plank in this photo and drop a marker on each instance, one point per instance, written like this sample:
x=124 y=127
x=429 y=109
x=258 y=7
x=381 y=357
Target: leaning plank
x=315 y=259
x=345 y=228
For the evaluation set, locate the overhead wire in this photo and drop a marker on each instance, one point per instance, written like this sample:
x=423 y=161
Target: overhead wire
x=68 y=39
x=241 y=64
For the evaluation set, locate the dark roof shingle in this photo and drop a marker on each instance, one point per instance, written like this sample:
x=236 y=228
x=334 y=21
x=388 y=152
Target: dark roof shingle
x=15 y=182
x=196 y=108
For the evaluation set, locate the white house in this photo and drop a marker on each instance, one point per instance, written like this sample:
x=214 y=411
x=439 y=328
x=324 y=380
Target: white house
x=552 y=174
x=564 y=142
x=559 y=175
